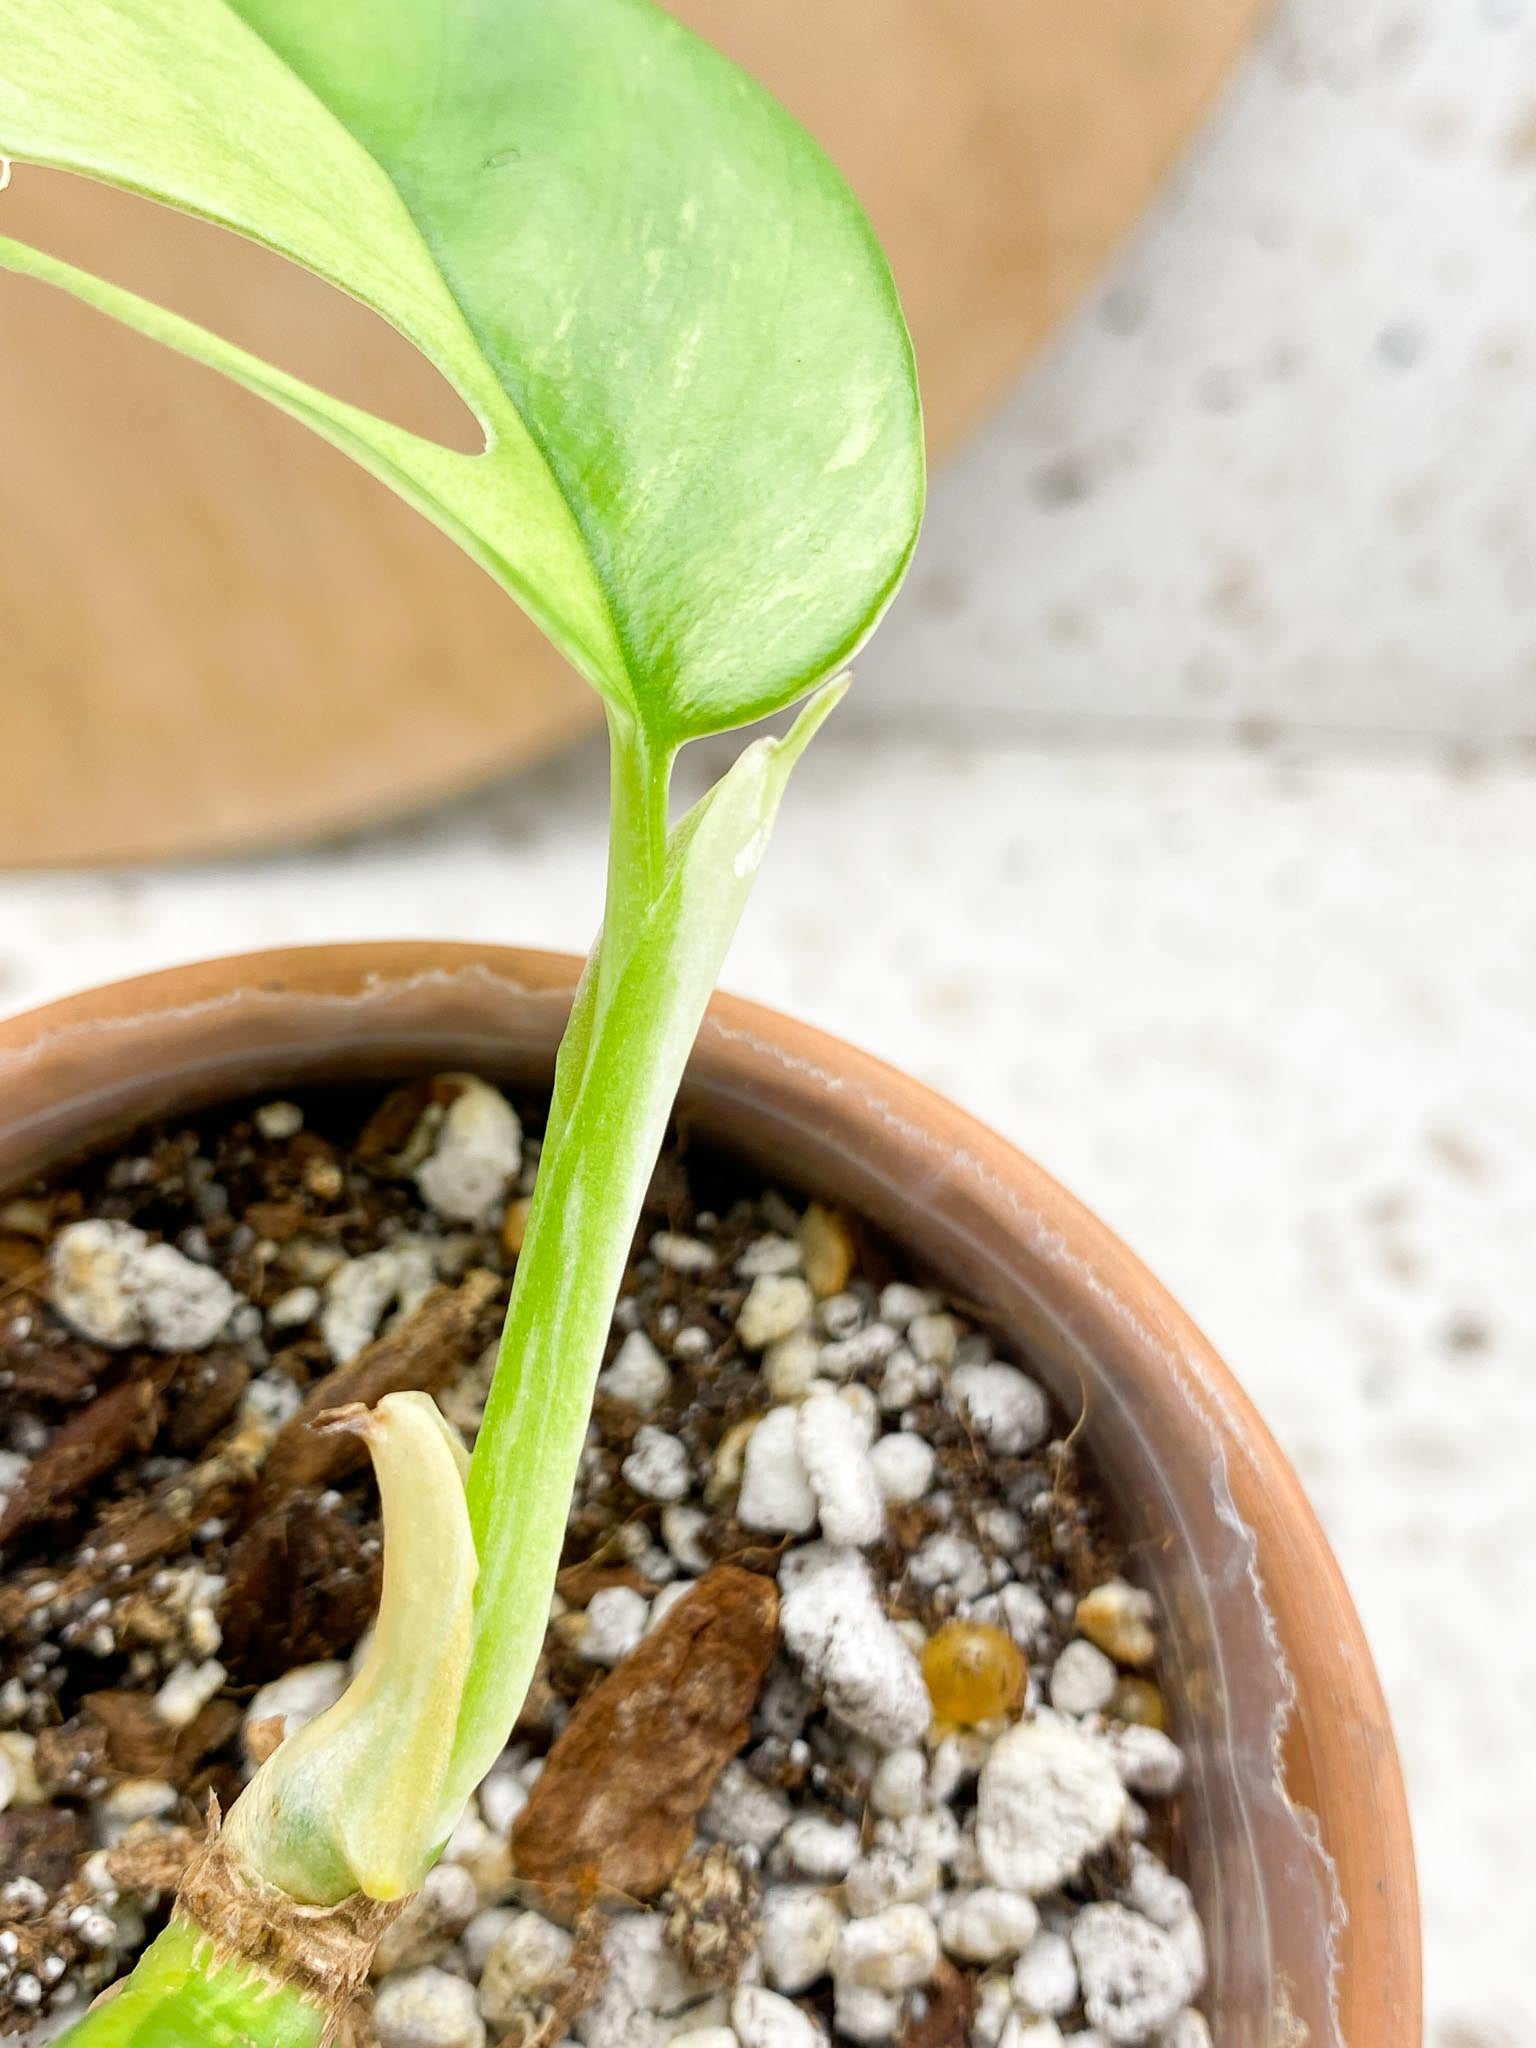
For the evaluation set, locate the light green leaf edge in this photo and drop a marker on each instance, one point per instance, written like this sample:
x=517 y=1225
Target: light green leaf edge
x=708 y=490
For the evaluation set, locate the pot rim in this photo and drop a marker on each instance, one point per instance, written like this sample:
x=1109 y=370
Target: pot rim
x=1335 y=1751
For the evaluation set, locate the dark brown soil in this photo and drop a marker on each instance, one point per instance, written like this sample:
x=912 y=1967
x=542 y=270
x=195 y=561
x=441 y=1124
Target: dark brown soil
x=144 y=1488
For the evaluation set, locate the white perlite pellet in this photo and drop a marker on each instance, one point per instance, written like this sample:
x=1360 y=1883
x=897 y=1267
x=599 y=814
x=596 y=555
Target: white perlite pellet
x=292 y=1310
x=932 y=1337
x=899 y=1303
x=298 y=1696
x=792 y=1366
x=680 y=1254
x=1004 y=1408
x=279 y=1120
x=1187 y=2029
x=900 y=1781
x=646 y=1983
x=863 y=2014
x=986 y=1925
x=864 y=1408
x=840 y=1315
x=659 y=1466
x=894 y=1950
x=1019 y=2032
x=1021 y=1611
x=271 y=1399
x=836 y=1629
x=528 y=1954
x=706 y=2037
x=776 y=1306
x=1133 y=1978
x=766 y=2019
x=903 y=1464
x=841 y=1357
x=834 y=1450
x=994 y=2009
x=357 y=1294
x=1048 y=1798
x=187 y=1691
x=638 y=1376
x=770 y=1255
x=1045 y=1976
x=616 y=1618
x=821 y=1849
x=13 y=1469
x=1146 y=1759
x=109 y=1282
x=476 y=1156
x=427 y=2009
x=905 y=1381
x=947 y=1560
x=681 y=1531
x=1083 y=1680
x=1153 y=1889
x=776 y=1493
x=798 y=1930
x=892 y=1874
x=743 y=1811
x=483 y=1932
x=501 y=1797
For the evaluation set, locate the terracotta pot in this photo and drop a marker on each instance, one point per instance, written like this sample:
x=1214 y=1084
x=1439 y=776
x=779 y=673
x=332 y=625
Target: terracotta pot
x=1295 y=1823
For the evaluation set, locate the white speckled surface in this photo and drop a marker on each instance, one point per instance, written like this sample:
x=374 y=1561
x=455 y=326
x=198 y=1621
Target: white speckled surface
x=1281 y=465
x=1276 y=1021
x=1275 y=1018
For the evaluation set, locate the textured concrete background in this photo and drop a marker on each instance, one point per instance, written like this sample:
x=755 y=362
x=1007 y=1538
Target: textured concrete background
x=1270 y=1006
x=1281 y=468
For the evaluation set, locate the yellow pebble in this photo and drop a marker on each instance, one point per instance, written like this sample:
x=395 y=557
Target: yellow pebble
x=1118 y=1618
x=974 y=1673
x=827 y=1250
x=1138 y=1700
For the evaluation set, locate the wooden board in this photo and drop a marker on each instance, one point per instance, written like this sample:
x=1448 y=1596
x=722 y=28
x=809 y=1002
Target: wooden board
x=216 y=634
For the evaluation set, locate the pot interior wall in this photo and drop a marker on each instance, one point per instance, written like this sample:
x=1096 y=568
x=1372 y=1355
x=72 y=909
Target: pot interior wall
x=1163 y=1439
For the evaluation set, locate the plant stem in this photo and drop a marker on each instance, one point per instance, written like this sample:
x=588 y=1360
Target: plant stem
x=638 y=781
x=672 y=907
x=181 y=1993
x=608 y=1114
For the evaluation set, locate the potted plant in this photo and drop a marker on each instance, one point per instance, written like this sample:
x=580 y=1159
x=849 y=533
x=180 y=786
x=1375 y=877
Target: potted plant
x=703 y=477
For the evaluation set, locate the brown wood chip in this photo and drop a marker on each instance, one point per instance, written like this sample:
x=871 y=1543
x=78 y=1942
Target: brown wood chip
x=947 y=2017
x=42 y=1842
x=142 y=1531
x=385 y=1140
x=577 y=1583
x=302 y=1585
x=202 y=1399
x=155 y=1861
x=70 y=1759
x=281 y=1221
x=83 y=1449
x=423 y=1353
x=42 y=1363
x=614 y=1808
x=138 y=1743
